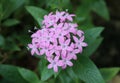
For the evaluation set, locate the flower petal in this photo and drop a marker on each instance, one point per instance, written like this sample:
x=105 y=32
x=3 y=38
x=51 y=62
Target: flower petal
x=60 y=63
x=80 y=49
x=37 y=52
x=75 y=39
x=61 y=40
x=74 y=57
x=32 y=52
x=76 y=51
x=56 y=58
x=30 y=45
x=72 y=45
x=80 y=33
x=50 y=66
x=64 y=53
x=67 y=42
x=84 y=44
x=57 y=53
x=42 y=51
x=69 y=63
x=69 y=48
x=82 y=38
x=55 y=68
x=64 y=66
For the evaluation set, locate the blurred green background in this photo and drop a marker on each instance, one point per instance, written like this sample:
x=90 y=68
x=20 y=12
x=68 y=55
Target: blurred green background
x=15 y=21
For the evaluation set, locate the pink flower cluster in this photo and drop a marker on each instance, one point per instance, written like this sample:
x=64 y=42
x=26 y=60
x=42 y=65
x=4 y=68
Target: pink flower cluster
x=59 y=40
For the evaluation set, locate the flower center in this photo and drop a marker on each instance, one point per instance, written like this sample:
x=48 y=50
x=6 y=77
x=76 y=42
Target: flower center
x=79 y=43
x=54 y=63
x=64 y=46
x=48 y=38
x=60 y=34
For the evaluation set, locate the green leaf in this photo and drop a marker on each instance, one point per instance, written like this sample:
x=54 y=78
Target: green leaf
x=1 y=12
x=91 y=37
x=46 y=74
x=88 y=51
x=10 y=22
x=64 y=78
x=18 y=75
x=10 y=43
x=88 y=1
x=82 y=13
x=28 y=75
x=57 y=73
x=99 y=6
x=86 y=24
x=4 y=81
x=73 y=76
x=11 y=74
x=2 y=40
x=92 y=34
x=109 y=73
x=58 y=4
x=9 y=6
x=71 y=73
x=41 y=65
x=37 y=13
x=86 y=70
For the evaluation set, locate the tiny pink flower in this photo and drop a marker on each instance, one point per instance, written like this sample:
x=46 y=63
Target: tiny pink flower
x=69 y=16
x=69 y=27
x=49 y=20
x=79 y=43
x=73 y=53
x=33 y=48
x=80 y=33
x=48 y=37
x=64 y=46
x=54 y=63
x=59 y=15
x=66 y=61
x=45 y=50
x=60 y=33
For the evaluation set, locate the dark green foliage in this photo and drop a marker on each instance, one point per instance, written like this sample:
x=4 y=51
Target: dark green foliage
x=18 y=75
x=16 y=18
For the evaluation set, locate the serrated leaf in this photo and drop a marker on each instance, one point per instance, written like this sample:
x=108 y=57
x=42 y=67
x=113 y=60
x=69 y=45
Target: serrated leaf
x=10 y=22
x=109 y=73
x=86 y=70
x=46 y=74
x=37 y=13
x=88 y=51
